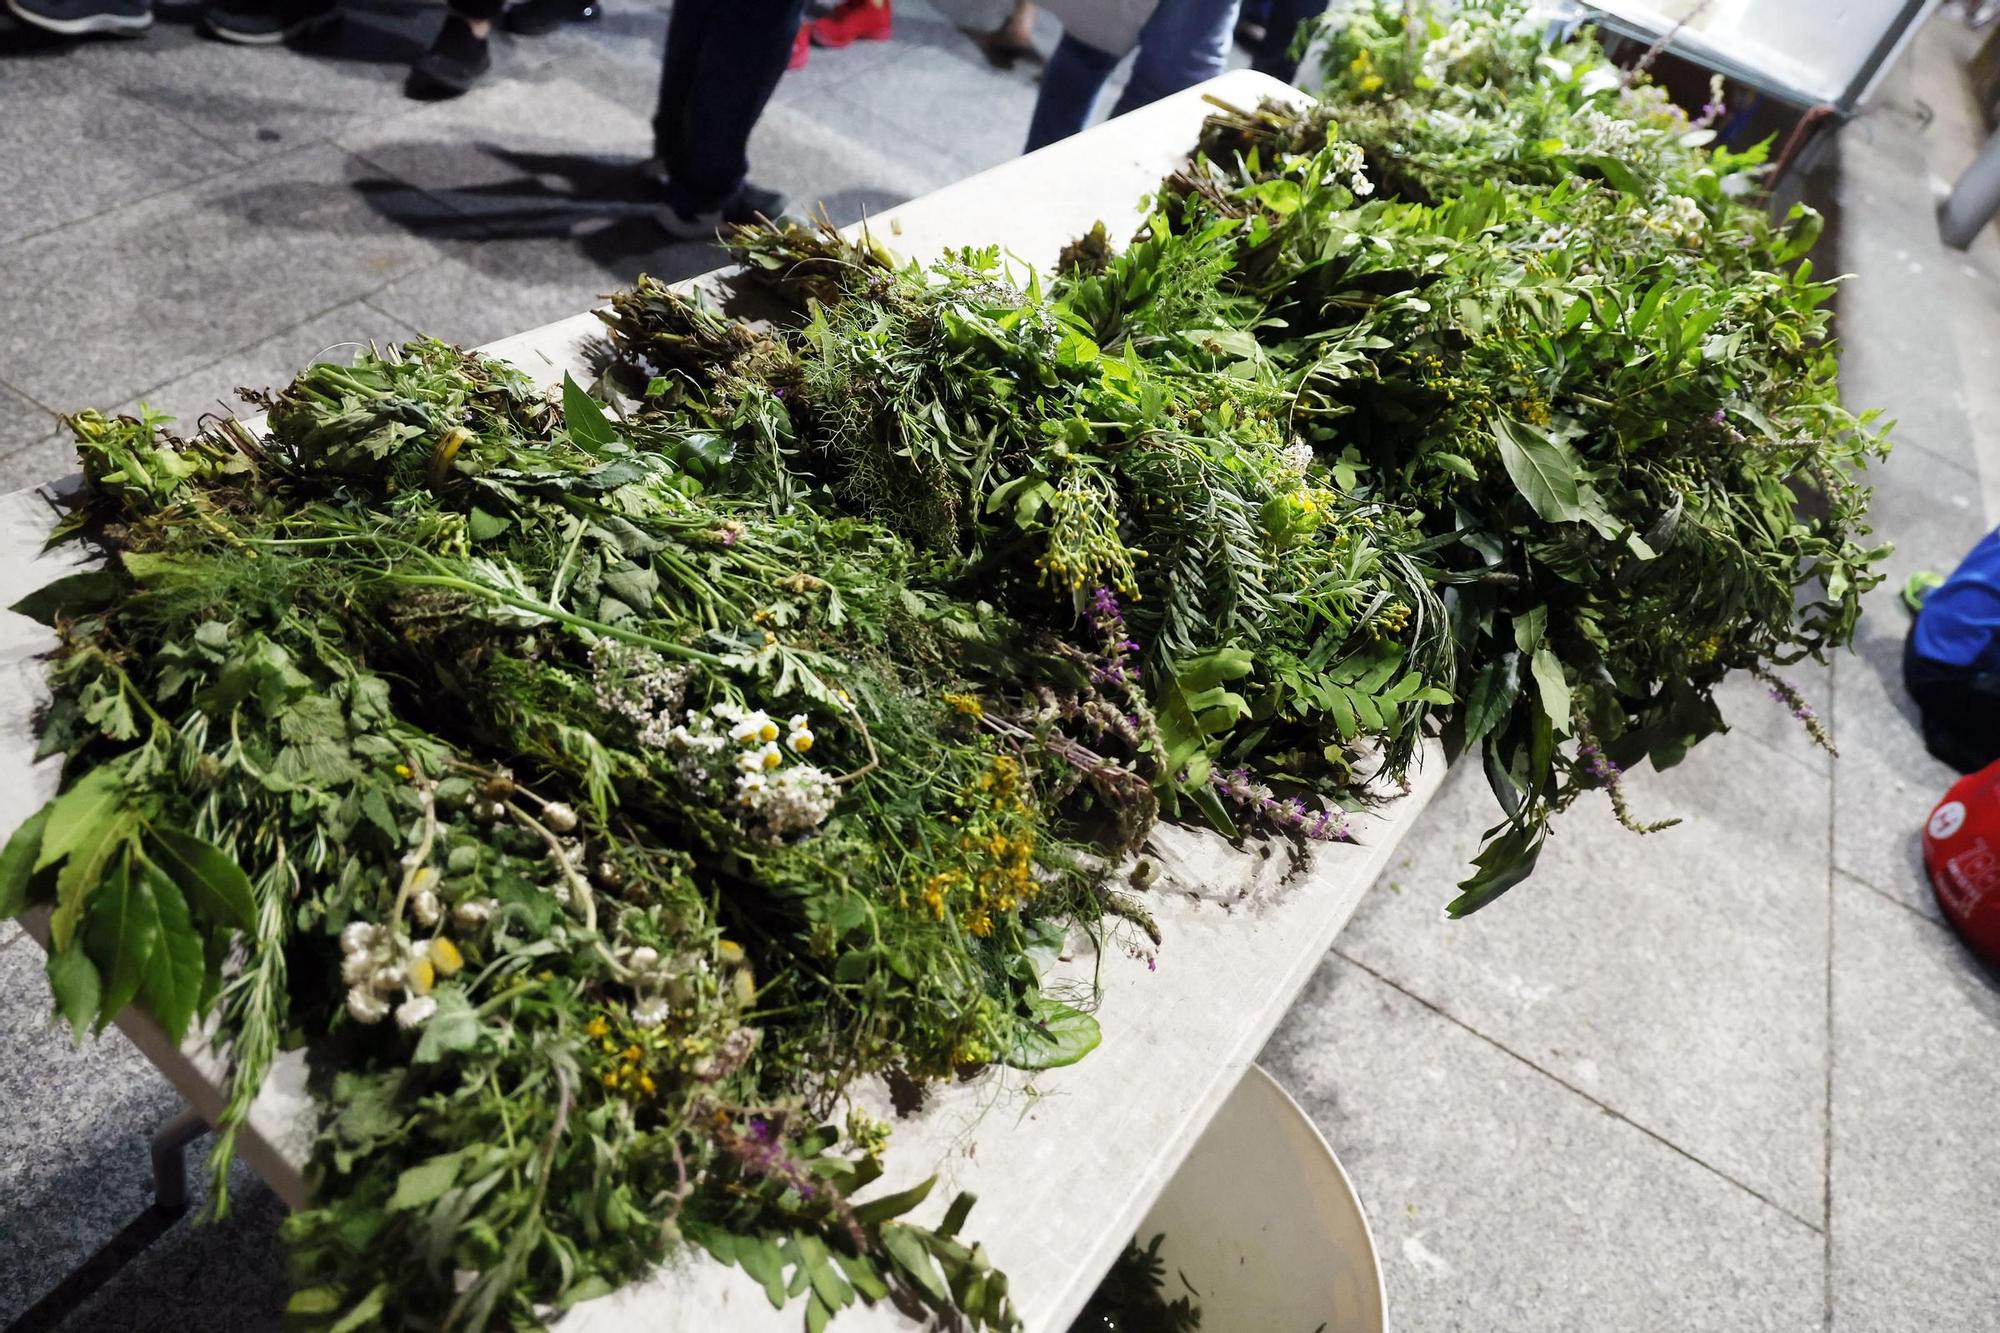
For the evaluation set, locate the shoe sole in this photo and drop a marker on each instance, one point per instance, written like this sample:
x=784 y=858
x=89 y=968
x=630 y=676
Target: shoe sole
x=126 y=25
x=261 y=37
x=673 y=225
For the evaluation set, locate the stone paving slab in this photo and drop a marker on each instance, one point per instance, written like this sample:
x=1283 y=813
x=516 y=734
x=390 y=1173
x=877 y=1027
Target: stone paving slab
x=1501 y=1200
x=269 y=365
x=46 y=110
x=104 y=309
x=1915 y=1195
x=1676 y=978
x=262 y=101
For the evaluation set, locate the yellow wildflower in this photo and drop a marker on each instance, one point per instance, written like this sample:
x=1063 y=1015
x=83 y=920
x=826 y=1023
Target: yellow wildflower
x=445 y=957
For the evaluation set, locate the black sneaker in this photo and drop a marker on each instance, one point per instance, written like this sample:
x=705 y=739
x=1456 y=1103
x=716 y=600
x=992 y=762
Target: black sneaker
x=454 y=63
x=78 y=18
x=264 y=22
x=752 y=203
x=535 y=17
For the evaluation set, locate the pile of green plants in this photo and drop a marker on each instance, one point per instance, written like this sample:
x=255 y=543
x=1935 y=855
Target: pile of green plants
x=598 y=788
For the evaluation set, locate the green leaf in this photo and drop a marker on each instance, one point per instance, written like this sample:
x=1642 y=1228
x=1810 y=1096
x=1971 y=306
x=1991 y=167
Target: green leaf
x=171 y=988
x=73 y=978
x=1455 y=463
x=1503 y=863
x=1544 y=470
x=426 y=1182
x=17 y=862
x=1619 y=176
x=589 y=429
x=77 y=817
x=482 y=526
x=83 y=872
x=1054 y=1035
x=1494 y=691
x=758 y=1257
x=366 y=1313
x=214 y=884
x=453 y=1027
x=906 y=1246
x=124 y=924
x=71 y=596
x=877 y=1211
x=1553 y=687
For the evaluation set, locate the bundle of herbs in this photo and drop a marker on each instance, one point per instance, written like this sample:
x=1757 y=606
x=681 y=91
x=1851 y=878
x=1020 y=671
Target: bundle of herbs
x=598 y=797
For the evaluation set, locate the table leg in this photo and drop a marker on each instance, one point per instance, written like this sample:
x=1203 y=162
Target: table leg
x=170 y=1159
x=1974 y=200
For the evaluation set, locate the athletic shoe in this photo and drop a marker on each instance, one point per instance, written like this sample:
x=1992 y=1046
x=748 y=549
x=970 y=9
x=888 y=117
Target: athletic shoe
x=750 y=204
x=536 y=17
x=854 y=21
x=454 y=63
x=801 y=48
x=754 y=202
x=265 y=22
x=80 y=18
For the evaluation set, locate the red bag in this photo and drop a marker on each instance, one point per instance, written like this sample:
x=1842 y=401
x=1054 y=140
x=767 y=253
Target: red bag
x=1962 y=854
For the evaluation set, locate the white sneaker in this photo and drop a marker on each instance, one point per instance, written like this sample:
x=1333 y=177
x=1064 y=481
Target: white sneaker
x=689 y=226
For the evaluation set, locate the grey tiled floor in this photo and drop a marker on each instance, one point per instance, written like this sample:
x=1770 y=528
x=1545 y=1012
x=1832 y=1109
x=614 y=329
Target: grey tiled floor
x=1733 y=1076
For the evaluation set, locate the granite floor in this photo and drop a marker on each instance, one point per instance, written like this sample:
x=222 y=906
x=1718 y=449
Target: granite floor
x=1733 y=1076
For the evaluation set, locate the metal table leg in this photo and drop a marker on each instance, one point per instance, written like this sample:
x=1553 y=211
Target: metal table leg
x=1974 y=200
x=170 y=1192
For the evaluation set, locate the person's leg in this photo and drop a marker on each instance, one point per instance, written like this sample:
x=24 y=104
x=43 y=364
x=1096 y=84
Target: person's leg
x=1070 y=84
x=460 y=54
x=1959 y=707
x=1183 y=43
x=713 y=90
x=1274 y=54
x=79 y=18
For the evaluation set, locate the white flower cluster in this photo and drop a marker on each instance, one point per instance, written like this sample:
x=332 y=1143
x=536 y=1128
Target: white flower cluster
x=1297 y=456
x=378 y=963
x=1680 y=217
x=640 y=686
x=1344 y=160
x=1607 y=135
x=781 y=797
x=650 y=974
x=1460 y=43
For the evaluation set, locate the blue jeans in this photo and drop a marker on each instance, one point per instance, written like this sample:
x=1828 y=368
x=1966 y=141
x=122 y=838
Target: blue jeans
x=1184 y=42
x=1273 y=55
x=722 y=63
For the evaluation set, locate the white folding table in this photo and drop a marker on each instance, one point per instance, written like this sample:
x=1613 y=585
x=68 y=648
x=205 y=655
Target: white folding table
x=1065 y=1163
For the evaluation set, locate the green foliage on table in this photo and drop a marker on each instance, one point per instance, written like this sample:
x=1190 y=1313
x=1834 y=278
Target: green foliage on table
x=600 y=794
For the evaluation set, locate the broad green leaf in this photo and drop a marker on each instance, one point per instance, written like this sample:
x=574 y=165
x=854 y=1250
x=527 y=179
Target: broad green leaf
x=17 y=863
x=73 y=978
x=759 y=1258
x=1552 y=686
x=83 y=872
x=426 y=1182
x=215 y=885
x=861 y=1275
x=454 y=1027
x=483 y=526
x=1495 y=688
x=589 y=429
x=367 y=1312
x=171 y=988
x=1503 y=863
x=1454 y=463
x=1054 y=1035
x=1619 y=176
x=77 y=817
x=1544 y=471
x=72 y=595
x=123 y=926
x=907 y=1248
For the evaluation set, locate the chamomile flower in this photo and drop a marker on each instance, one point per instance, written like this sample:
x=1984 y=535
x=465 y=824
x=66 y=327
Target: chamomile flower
x=412 y=1012
x=754 y=728
x=365 y=1006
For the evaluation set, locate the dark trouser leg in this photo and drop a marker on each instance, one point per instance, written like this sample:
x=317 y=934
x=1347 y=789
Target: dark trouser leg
x=1274 y=54
x=478 y=9
x=722 y=63
x=1071 y=81
x=1184 y=43
x=1960 y=707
